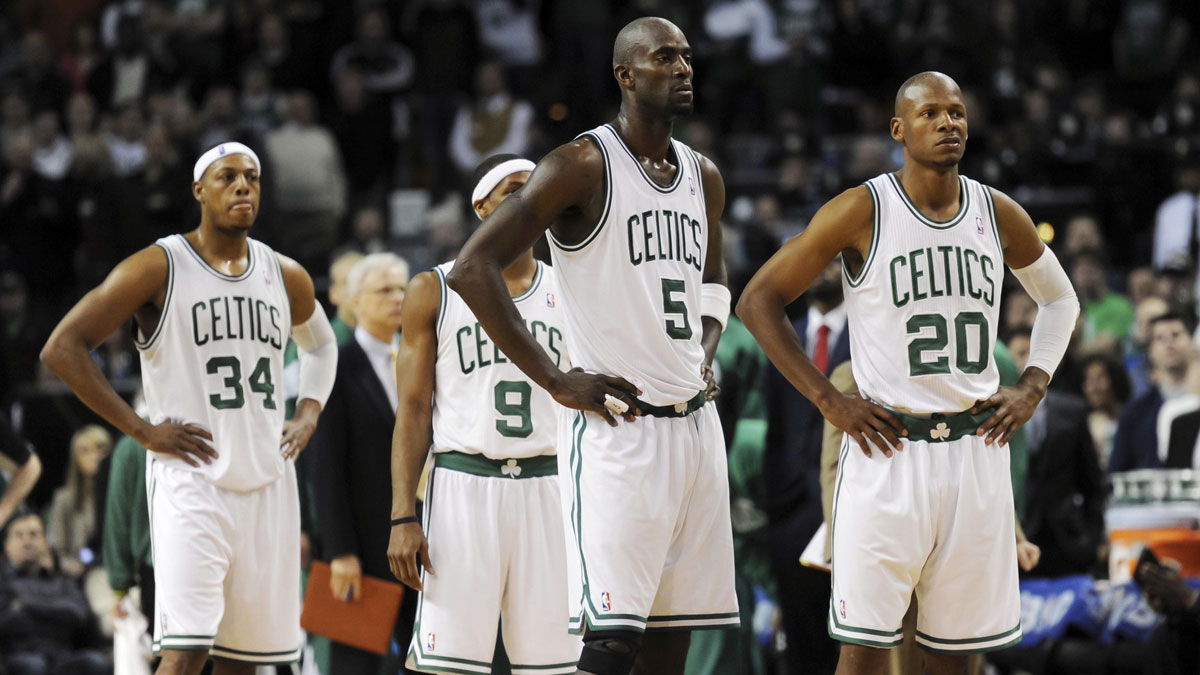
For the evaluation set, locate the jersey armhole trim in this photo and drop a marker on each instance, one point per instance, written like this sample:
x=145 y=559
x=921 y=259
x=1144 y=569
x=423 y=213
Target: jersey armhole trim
x=441 y=277
x=283 y=286
x=162 y=316
x=991 y=206
x=699 y=178
x=608 y=190
x=857 y=280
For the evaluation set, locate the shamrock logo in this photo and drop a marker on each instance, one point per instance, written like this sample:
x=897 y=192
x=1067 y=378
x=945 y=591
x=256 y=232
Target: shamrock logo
x=940 y=433
x=511 y=469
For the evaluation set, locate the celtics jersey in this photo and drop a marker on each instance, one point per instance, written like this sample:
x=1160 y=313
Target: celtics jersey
x=924 y=308
x=631 y=288
x=215 y=358
x=482 y=403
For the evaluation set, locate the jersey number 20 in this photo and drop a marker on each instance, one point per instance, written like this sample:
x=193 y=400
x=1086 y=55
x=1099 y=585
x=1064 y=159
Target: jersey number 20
x=940 y=363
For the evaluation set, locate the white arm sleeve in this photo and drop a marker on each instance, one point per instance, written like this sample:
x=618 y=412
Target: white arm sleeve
x=318 y=356
x=1058 y=308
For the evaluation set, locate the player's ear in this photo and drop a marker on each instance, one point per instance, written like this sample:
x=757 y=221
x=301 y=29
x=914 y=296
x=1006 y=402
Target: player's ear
x=624 y=75
x=897 y=129
x=197 y=190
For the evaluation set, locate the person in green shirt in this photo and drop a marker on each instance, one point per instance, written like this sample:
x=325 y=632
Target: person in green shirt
x=127 y=555
x=1108 y=316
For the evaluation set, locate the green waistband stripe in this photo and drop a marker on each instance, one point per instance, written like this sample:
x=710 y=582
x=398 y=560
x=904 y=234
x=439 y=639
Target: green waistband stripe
x=942 y=428
x=478 y=465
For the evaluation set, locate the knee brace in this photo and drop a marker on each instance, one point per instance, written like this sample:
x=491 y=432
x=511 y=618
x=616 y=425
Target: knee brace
x=609 y=652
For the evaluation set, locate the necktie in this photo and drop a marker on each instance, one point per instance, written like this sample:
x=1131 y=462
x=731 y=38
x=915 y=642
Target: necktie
x=821 y=353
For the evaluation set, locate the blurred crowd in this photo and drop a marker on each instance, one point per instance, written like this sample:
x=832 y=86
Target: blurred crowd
x=370 y=116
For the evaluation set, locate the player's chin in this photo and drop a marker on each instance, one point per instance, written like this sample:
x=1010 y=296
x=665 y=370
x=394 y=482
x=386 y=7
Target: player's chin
x=681 y=108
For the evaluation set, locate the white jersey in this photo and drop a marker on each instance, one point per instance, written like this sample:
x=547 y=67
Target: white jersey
x=631 y=288
x=925 y=307
x=215 y=359
x=482 y=403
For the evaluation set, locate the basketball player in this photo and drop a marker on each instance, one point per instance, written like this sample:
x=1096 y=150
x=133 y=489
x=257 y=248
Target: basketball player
x=635 y=236
x=213 y=309
x=927 y=504
x=493 y=516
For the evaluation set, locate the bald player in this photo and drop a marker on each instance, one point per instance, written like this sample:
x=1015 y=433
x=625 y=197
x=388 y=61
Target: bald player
x=923 y=499
x=633 y=219
x=213 y=310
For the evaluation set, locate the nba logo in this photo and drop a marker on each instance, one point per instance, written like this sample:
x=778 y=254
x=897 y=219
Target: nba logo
x=267 y=274
x=431 y=640
x=220 y=150
x=978 y=225
x=843 y=609
x=691 y=185
x=605 y=602
x=549 y=299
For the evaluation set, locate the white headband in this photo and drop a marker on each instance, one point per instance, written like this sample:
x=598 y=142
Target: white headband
x=498 y=173
x=223 y=150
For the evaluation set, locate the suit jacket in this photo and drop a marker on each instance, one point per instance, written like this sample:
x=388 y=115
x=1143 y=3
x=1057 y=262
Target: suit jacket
x=353 y=481
x=1181 y=442
x=1065 y=489
x=792 y=457
x=1135 y=445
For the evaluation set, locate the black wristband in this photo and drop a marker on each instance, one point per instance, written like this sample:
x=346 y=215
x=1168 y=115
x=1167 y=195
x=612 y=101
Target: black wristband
x=405 y=519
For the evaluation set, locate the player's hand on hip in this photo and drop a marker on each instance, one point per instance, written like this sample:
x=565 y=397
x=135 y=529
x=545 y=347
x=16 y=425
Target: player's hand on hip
x=406 y=542
x=711 y=389
x=586 y=391
x=866 y=423
x=345 y=578
x=1014 y=406
x=298 y=430
x=185 y=441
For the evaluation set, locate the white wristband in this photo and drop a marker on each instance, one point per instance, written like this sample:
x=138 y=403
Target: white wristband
x=714 y=302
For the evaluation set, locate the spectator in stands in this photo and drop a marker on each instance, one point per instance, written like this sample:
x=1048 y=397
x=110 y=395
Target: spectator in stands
x=20 y=339
x=220 y=120
x=15 y=117
x=494 y=123
x=1082 y=233
x=309 y=183
x=1135 y=445
x=164 y=208
x=1137 y=344
x=1176 y=236
x=289 y=68
x=73 y=519
x=129 y=70
x=1107 y=315
x=84 y=54
x=1106 y=389
x=362 y=124
x=126 y=144
x=387 y=66
x=1139 y=285
x=46 y=626
x=1064 y=488
x=1174 y=644
x=509 y=30
x=29 y=469
x=39 y=76
x=261 y=105
x=51 y=149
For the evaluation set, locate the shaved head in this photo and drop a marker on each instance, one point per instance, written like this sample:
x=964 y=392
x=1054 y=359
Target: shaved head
x=641 y=33
x=912 y=87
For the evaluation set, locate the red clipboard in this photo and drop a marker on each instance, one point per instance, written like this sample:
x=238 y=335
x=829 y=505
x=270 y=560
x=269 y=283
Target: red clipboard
x=366 y=624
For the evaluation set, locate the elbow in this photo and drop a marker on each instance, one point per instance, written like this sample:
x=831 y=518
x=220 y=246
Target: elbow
x=745 y=305
x=462 y=274
x=52 y=353
x=33 y=469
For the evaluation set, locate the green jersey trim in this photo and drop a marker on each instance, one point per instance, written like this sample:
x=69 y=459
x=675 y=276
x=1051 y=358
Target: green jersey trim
x=162 y=316
x=444 y=291
x=964 y=203
x=991 y=205
x=533 y=285
x=538 y=466
x=876 y=224
x=218 y=274
x=608 y=194
x=665 y=189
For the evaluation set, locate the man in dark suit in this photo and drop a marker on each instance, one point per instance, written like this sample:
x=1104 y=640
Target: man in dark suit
x=353 y=445
x=791 y=473
x=1064 y=485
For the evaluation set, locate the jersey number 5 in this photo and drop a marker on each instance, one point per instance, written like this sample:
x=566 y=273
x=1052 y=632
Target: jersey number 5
x=260 y=382
x=940 y=363
x=677 y=329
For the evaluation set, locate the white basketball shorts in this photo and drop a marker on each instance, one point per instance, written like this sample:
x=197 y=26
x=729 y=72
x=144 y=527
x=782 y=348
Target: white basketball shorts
x=496 y=541
x=648 y=507
x=226 y=566
x=935 y=518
